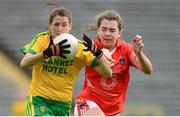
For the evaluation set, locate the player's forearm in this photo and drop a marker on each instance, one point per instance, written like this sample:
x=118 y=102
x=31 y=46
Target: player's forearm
x=104 y=67
x=30 y=60
x=145 y=64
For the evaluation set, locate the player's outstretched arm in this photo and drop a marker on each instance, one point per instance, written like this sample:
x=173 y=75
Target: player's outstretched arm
x=144 y=63
x=103 y=67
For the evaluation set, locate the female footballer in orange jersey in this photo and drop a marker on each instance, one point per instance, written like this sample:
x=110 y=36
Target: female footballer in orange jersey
x=50 y=91
x=102 y=96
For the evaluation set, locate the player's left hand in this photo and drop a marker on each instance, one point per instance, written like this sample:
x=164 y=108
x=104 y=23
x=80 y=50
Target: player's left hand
x=91 y=46
x=137 y=44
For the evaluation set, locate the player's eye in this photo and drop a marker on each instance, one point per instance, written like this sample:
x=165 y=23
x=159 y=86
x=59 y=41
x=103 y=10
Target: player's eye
x=64 y=24
x=103 y=29
x=56 y=24
x=112 y=30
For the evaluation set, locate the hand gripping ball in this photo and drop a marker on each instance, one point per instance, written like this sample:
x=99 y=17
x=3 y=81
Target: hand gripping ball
x=70 y=40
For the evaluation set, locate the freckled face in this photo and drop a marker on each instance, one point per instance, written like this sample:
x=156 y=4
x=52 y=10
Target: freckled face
x=59 y=25
x=108 y=33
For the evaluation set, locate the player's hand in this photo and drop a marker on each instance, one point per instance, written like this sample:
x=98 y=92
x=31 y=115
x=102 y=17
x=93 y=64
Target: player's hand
x=57 y=50
x=137 y=44
x=108 y=56
x=91 y=46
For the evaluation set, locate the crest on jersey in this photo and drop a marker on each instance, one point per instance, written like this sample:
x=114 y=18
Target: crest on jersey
x=42 y=109
x=121 y=60
x=82 y=106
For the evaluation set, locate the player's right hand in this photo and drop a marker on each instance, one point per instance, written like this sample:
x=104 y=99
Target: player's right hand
x=57 y=50
x=137 y=44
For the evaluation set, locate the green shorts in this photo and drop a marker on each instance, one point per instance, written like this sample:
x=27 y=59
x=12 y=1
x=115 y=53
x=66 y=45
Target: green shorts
x=39 y=106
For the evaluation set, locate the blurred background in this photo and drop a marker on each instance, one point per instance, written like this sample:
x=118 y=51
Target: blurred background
x=158 y=21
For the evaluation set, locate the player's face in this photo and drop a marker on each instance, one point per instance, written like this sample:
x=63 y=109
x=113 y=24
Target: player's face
x=108 y=33
x=59 y=25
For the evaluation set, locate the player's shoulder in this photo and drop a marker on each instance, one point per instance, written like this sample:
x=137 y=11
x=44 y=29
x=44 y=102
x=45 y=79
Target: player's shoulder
x=124 y=46
x=122 y=43
x=42 y=34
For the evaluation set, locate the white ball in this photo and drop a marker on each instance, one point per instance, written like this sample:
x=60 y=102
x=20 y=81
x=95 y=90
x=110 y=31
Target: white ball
x=71 y=40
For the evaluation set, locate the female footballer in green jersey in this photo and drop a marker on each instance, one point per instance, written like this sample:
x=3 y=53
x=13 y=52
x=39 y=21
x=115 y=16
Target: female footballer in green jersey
x=53 y=78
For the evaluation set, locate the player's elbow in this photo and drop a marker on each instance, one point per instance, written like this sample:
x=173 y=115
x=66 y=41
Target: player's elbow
x=22 y=66
x=148 y=71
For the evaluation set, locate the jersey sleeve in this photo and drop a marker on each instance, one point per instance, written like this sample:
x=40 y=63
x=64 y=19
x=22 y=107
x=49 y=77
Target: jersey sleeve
x=37 y=45
x=25 y=48
x=86 y=56
x=90 y=59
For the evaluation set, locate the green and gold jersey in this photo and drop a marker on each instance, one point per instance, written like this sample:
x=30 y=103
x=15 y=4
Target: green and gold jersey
x=54 y=78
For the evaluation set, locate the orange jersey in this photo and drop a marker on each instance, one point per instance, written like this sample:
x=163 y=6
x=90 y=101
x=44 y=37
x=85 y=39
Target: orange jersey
x=109 y=94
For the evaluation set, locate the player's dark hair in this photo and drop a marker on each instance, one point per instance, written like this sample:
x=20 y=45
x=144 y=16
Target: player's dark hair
x=61 y=11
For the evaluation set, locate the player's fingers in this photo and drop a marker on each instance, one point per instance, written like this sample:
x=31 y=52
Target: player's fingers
x=61 y=55
x=137 y=38
x=95 y=48
x=86 y=49
x=141 y=45
x=66 y=51
x=53 y=49
x=63 y=41
x=85 y=38
x=113 y=61
x=57 y=50
x=86 y=44
x=65 y=46
x=110 y=59
x=92 y=47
